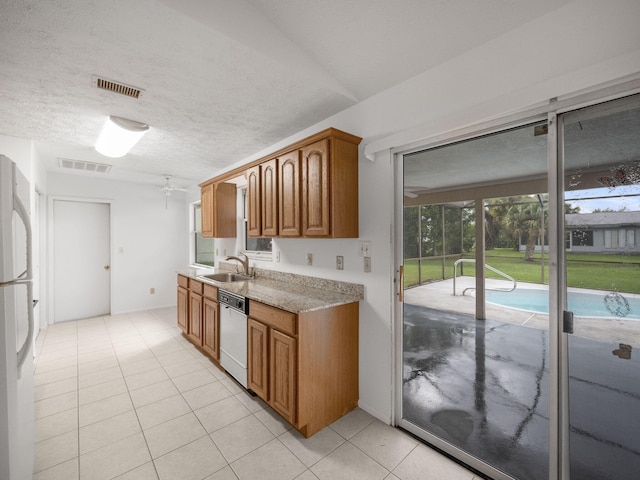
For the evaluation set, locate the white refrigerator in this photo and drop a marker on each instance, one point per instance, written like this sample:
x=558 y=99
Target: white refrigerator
x=17 y=450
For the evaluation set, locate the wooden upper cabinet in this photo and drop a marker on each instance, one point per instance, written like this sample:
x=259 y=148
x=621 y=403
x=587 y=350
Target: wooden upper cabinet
x=206 y=210
x=269 y=197
x=289 y=195
x=254 y=210
x=218 y=210
x=308 y=189
x=316 y=192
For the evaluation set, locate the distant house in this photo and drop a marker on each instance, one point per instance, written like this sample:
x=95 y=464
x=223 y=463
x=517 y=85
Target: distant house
x=603 y=232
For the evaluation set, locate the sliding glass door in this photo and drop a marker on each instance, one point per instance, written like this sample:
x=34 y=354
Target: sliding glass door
x=601 y=157
x=521 y=297
x=475 y=364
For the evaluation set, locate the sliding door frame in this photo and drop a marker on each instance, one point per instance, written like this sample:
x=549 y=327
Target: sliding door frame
x=559 y=465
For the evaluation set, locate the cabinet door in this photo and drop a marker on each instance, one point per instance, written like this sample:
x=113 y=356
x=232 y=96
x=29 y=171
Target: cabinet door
x=269 y=197
x=316 y=192
x=258 y=360
x=195 y=318
x=289 y=195
x=210 y=328
x=282 y=374
x=254 y=212
x=206 y=210
x=183 y=309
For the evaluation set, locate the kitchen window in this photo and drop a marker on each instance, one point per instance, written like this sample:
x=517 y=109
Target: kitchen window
x=254 y=247
x=204 y=253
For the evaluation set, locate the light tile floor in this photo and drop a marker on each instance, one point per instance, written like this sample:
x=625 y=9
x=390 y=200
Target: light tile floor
x=127 y=397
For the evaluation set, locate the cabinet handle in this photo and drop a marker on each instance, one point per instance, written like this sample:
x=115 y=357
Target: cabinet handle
x=401 y=283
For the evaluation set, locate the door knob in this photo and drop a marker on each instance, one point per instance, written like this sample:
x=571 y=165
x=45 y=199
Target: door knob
x=106 y=267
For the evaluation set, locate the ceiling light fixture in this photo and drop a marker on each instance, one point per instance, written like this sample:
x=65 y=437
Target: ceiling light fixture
x=118 y=136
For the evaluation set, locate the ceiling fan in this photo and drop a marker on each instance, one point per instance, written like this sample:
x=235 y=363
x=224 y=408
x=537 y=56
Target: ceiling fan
x=169 y=187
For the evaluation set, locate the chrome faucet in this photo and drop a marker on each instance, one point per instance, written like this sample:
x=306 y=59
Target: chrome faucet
x=244 y=262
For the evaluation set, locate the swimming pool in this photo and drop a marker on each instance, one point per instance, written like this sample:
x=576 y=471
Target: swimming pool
x=605 y=304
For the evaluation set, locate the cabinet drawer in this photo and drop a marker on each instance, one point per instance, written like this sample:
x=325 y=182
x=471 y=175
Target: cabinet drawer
x=195 y=286
x=183 y=281
x=211 y=292
x=274 y=317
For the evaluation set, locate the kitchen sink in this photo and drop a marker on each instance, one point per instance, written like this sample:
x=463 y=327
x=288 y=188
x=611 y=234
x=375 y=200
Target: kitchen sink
x=227 y=277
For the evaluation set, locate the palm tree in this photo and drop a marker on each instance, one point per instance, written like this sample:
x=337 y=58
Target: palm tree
x=525 y=218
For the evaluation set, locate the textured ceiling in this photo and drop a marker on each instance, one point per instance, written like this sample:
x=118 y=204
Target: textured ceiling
x=222 y=79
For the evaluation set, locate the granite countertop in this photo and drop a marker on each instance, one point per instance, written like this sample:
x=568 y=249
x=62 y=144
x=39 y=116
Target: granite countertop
x=290 y=292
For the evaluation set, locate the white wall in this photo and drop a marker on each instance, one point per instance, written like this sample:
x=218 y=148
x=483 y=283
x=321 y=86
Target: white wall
x=153 y=240
x=579 y=46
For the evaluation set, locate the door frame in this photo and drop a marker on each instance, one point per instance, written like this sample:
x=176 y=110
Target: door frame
x=559 y=467
x=51 y=249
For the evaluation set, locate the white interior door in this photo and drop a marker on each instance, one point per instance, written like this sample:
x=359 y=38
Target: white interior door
x=81 y=259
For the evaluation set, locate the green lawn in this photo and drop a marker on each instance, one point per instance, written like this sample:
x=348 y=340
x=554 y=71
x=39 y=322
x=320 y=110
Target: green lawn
x=595 y=271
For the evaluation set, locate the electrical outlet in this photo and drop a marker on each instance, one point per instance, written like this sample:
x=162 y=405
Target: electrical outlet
x=365 y=249
x=339 y=262
x=278 y=256
x=152 y=291
x=309 y=259
x=367 y=264
x=217 y=254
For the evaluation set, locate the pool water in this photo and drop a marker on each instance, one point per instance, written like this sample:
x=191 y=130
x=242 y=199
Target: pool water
x=605 y=304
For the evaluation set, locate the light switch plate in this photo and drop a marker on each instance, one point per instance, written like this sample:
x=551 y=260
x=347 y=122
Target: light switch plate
x=367 y=264
x=365 y=249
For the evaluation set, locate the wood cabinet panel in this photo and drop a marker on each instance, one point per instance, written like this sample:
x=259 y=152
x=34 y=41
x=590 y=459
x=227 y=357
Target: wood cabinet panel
x=316 y=192
x=195 y=318
x=283 y=375
x=211 y=328
x=289 y=195
x=269 y=198
x=327 y=366
x=211 y=292
x=183 y=281
x=254 y=210
x=258 y=361
x=206 y=211
x=183 y=309
x=218 y=210
x=195 y=286
x=273 y=317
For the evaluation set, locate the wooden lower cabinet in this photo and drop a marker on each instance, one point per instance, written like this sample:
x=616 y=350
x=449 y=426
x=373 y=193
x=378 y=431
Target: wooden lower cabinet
x=258 y=361
x=199 y=315
x=183 y=309
x=282 y=374
x=195 y=318
x=305 y=366
x=211 y=328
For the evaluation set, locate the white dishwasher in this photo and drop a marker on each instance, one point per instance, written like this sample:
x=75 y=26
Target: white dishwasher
x=233 y=334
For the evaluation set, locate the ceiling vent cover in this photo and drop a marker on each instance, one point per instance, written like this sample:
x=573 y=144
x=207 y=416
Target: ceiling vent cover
x=117 y=87
x=86 y=166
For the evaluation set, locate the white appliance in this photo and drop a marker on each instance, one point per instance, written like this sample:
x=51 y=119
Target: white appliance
x=17 y=448
x=233 y=335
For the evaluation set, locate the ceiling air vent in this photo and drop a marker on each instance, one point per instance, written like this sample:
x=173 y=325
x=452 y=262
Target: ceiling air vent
x=86 y=166
x=117 y=87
